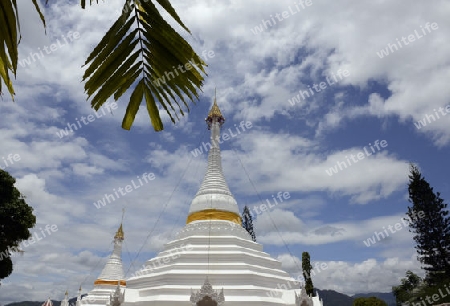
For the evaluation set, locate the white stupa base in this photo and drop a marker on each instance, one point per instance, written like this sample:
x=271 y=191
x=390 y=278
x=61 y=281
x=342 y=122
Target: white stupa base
x=222 y=251
x=100 y=295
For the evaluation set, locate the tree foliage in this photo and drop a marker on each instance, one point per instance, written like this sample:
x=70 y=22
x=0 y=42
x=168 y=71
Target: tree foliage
x=369 y=301
x=306 y=268
x=405 y=291
x=247 y=222
x=415 y=291
x=431 y=230
x=16 y=218
x=139 y=49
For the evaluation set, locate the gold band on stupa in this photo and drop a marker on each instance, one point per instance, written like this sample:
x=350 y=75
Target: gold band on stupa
x=214 y=214
x=109 y=282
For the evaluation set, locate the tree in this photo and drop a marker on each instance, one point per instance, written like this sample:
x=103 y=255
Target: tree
x=16 y=217
x=430 y=223
x=414 y=291
x=139 y=47
x=369 y=301
x=306 y=267
x=406 y=290
x=247 y=222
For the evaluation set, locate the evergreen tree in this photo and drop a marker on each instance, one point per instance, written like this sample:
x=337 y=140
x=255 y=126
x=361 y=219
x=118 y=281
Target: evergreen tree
x=306 y=267
x=247 y=222
x=16 y=217
x=429 y=221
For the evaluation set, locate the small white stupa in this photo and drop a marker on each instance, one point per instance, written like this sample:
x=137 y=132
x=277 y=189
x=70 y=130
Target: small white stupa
x=65 y=302
x=48 y=302
x=111 y=278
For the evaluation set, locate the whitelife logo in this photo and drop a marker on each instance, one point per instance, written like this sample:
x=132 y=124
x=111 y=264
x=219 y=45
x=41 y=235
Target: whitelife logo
x=49 y=49
x=86 y=120
x=35 y=237
x=177 y=252
x=391 y=48
x=120 y=191
x=360 y=156
x=436 y=297
x=323 y=85
x=259 y=209
x=398 y=226
x=265 y=24
x=9 y=161
x=207 y=146
x=168 y=75
x=423 y=123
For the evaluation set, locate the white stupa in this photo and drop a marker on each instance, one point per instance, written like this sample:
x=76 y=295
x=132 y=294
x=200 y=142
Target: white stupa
x=111 y=278
x=213 y=260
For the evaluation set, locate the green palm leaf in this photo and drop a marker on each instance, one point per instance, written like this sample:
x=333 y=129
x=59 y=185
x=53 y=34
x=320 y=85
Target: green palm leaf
x=8 y=38
x=140 y=46
x=9 y=41
x=143 y=40
x=36 y=6
x=133 y=106
x=153 y=109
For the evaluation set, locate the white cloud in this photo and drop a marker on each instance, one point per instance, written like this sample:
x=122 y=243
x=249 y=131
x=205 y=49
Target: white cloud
x=376 y=233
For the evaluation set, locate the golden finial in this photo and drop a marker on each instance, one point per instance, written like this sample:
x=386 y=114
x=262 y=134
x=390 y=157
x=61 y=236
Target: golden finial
x=215 y=113
x=119 y=233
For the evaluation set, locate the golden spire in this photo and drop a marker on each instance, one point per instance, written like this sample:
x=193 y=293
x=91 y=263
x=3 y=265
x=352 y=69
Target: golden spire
x=119 y=233
x=214 y=200
x=215 y=113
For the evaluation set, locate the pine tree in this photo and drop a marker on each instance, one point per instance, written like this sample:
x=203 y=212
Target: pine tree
x=306 y=267
x=430 y=223
x=247 y=222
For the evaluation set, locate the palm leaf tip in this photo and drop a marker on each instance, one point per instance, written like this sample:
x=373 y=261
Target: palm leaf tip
x=133 y=105
x=153 y=110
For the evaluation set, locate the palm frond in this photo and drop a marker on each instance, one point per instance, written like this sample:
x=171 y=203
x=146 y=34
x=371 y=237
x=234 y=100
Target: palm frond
x=8 y=38
x=141 y=46
x=9 y=41
x=36 y=5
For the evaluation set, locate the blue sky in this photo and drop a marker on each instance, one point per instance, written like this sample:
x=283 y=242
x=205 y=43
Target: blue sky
x=288 y=148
